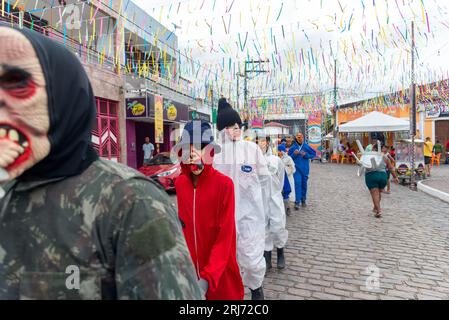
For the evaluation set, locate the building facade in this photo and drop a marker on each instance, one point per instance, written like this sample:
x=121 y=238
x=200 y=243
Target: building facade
x=128 y=56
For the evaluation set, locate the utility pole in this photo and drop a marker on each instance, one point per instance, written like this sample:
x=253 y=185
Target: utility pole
x=249 y=71
x=238 y=91
x=335 y=109
x=413 y=114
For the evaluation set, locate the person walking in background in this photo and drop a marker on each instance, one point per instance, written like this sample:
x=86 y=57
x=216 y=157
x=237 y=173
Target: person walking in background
x=393 y=153
x=301 y=153
x=275 y=233
x=428 y=148
x=245 y=164
x=376 y=181
x=147 y=149
x=437 y=148
x=207 y=213
x=289 y=183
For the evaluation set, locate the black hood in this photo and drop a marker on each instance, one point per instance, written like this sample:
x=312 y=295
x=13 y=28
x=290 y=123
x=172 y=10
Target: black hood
x=226 y=115
x=72 y=111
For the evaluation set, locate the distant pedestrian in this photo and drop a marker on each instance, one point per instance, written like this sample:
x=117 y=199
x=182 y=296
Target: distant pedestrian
x=393 y=153
x=428 y=147
x=438 y=148
x=301 y=153
x=376 y=180
x=148 y=149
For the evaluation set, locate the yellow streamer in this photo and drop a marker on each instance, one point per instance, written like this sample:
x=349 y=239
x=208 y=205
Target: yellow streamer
x=268 y=14
x=423 y=12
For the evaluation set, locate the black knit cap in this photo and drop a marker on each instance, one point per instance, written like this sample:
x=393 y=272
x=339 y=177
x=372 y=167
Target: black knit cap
x=226 y=116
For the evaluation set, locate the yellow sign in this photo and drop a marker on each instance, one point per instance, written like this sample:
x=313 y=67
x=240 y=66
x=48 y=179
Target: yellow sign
x=138 y=109
x=159 y=119
x=172 y=113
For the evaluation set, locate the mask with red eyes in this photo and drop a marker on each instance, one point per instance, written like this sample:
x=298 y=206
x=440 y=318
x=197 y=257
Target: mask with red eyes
x=24 y=117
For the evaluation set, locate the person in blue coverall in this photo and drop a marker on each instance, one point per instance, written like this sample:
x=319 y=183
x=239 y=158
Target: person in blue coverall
x=301 y=154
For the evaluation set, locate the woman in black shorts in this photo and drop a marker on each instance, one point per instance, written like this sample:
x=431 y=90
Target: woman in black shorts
x=376 y=181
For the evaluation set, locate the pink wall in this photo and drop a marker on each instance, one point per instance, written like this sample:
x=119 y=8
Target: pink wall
x=131 y=145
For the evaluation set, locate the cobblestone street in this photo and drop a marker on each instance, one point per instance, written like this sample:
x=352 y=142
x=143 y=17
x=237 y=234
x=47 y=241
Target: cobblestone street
x=335 y=242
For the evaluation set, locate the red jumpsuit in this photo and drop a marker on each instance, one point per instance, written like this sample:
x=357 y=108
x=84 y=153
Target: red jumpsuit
x=207 y=215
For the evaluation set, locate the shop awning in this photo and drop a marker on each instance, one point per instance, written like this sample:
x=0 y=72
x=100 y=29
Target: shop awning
x=375 y=122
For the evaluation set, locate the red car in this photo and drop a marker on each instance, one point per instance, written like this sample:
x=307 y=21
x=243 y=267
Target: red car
x=163 y=170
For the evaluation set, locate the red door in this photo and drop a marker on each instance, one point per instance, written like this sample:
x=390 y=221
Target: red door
x=105 y=134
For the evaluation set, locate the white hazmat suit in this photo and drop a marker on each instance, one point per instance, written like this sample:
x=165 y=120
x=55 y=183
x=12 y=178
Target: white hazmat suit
x=245 y=164
x=290 y=169
x=275 y=233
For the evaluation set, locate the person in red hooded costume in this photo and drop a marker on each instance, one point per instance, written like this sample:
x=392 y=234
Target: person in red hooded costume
x=206 y=209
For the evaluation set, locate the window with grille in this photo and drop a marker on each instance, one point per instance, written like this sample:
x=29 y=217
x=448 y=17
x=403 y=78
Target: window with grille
x=105 y=133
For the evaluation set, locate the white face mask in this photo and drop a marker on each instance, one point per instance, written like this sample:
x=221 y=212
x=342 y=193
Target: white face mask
x=234 y=132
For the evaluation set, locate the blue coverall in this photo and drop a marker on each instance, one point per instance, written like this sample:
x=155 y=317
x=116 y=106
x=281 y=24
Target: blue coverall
x=287 y=189
x=301 y=176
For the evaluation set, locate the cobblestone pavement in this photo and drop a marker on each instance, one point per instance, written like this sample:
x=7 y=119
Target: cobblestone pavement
x=439 y=179
x=336 y=242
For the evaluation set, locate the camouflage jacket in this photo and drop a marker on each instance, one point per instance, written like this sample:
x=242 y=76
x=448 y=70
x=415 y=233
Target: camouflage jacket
x=108 y=233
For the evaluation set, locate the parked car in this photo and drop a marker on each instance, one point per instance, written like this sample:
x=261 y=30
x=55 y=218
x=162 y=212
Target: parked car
x=163 y=170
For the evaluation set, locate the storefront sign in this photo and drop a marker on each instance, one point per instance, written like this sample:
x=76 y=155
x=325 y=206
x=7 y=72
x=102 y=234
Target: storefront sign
x=436 y=110
x=174 y=111
x=314 y=132
x=158 y=119
x=145 y=108
x=195 y=115
x=136 y=108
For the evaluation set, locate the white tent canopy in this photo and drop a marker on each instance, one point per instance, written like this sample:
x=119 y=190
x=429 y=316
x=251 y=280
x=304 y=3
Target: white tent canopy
x=375 y=122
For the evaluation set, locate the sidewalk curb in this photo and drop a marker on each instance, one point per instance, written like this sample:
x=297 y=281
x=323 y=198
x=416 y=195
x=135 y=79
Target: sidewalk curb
x=443 y=196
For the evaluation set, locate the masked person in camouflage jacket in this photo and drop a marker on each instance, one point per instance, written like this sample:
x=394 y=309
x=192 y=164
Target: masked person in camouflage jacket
x=73 y=226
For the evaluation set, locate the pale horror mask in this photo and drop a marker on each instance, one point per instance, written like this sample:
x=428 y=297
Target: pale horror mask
x=47 y=108
x=24 y=118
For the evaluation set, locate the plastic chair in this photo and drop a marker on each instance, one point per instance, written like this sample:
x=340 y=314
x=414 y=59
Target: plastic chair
x=334 y=157
x=344 y=158
x=436 y=159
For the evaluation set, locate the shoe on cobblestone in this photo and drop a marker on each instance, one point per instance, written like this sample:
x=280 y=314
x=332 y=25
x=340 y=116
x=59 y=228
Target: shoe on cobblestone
x=267 y=256
x=281 y=258
x=287 y=207
x=296 y=206
x=303 y=204
x=257 y=294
